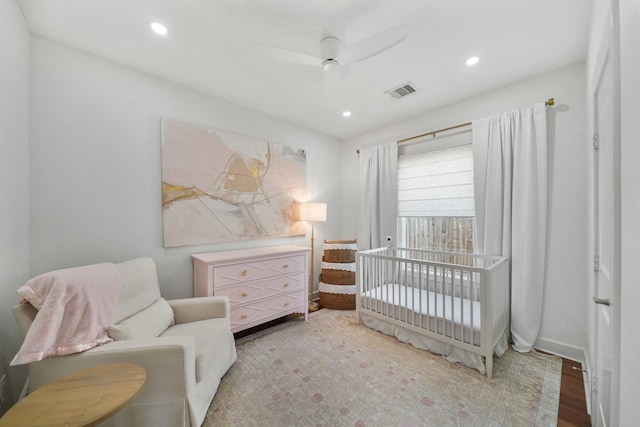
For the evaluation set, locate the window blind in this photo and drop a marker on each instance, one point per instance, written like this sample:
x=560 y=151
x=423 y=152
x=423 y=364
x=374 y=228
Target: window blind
x=436 y=183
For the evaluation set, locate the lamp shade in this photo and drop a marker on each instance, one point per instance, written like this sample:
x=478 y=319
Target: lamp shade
x=313 y=212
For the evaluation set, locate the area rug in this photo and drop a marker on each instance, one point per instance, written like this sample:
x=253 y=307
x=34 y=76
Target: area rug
x=331 y=371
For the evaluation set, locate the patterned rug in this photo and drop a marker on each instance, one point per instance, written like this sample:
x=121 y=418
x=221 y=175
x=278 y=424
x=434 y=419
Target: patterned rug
x=330 y=371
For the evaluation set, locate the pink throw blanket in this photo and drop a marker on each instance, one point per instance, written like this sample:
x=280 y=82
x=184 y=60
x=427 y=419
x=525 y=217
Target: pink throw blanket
x=75 y=308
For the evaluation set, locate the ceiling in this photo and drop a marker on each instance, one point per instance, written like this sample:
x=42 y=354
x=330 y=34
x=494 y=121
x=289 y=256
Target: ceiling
x=215 y=46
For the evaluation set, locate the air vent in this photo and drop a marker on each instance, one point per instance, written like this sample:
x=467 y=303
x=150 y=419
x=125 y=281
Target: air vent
x=401 y=91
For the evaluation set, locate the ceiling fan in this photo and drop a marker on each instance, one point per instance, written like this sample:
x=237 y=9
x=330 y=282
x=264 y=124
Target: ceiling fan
x=332 y=54
x=333 y=58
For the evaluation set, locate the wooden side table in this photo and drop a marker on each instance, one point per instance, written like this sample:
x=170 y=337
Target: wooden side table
x=84 y=398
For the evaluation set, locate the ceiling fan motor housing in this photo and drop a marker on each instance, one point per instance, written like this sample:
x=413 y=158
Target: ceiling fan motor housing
x=329 y=49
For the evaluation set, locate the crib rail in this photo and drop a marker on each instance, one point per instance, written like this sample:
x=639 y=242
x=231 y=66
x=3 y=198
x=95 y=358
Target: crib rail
x=458 y=298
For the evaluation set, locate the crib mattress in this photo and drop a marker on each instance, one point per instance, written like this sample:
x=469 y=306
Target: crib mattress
x=445 y=315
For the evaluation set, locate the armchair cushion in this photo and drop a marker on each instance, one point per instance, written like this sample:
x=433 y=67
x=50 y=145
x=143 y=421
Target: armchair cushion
x=208 y=334
x=139 y=287
x=150 y=322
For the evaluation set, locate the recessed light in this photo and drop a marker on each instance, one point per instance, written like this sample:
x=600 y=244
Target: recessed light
x=346 y=114
x=158 y=28
x=473 y=60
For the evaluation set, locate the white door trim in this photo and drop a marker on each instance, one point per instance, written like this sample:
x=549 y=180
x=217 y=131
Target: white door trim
x=609 y=54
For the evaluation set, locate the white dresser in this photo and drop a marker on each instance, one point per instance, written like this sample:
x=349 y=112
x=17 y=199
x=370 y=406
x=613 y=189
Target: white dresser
x=262 y=283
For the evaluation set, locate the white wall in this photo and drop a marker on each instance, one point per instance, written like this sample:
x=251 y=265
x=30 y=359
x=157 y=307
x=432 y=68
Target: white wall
x=95 y=163
x=563 y=328
x=630 y=182
x=14 y=169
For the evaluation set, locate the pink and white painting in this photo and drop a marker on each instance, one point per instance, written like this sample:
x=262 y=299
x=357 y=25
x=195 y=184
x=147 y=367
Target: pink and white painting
x=218 y=186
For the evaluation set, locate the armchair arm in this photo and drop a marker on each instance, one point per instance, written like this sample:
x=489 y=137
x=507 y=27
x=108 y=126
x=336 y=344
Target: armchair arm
x=169 y=362
x=201 y=308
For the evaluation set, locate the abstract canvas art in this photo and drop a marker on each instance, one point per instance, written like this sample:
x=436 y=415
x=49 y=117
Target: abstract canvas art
x=218 y=186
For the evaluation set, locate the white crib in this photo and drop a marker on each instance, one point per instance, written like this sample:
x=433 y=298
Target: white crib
x=450 y=303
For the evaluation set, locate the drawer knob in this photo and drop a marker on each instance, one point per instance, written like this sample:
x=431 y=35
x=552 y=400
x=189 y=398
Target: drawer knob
x=286 y=304
x=285 y=285
x=244 y=272
x=285 y=266
x=244 y=316
x=244 y=294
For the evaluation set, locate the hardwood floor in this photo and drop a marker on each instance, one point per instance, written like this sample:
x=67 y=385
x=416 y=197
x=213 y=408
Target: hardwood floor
x=572 y=409
x=573 y=406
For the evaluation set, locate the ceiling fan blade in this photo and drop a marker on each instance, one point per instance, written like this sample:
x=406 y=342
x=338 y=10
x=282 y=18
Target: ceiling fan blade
x=374 y=44
x=287 y=55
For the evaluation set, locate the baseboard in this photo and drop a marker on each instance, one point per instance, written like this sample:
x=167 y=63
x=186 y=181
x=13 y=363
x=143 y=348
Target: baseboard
x=586 y=366
x=560 y=349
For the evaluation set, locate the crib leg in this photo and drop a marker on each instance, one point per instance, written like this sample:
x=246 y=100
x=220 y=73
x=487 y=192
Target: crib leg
x=489 y=363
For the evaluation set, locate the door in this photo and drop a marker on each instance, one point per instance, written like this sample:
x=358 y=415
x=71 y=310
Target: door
x=606 y=163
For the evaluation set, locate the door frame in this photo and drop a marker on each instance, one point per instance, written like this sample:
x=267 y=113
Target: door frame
x=609 y=53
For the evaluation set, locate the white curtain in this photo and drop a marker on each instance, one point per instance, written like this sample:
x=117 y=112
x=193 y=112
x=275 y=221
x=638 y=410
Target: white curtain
x=378 y=197
x=510 y=176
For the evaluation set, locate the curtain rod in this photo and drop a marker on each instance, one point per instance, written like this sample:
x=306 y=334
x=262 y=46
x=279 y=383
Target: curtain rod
x=548 y=103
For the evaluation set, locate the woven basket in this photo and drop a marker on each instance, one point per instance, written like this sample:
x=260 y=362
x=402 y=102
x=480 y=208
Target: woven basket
x=338 y=277
x=339 y=255
x=339 y=252
x=338 y=301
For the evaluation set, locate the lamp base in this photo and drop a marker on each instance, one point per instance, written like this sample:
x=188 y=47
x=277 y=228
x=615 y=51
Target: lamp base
x=313 y=306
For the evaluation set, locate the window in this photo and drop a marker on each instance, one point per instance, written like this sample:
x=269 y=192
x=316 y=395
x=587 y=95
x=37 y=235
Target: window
x=435 y=196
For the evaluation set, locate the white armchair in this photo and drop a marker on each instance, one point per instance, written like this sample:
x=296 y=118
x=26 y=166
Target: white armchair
x=185 y=345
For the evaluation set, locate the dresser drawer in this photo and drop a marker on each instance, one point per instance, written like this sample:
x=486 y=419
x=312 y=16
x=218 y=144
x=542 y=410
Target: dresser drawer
x=254 y=270
x=286 y=265
x=248 y=292
x=272 y=308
